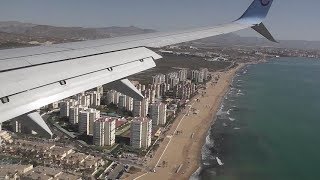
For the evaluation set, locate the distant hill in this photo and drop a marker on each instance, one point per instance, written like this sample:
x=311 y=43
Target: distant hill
x=232 y=39
x=13 y=32
x=17 y=34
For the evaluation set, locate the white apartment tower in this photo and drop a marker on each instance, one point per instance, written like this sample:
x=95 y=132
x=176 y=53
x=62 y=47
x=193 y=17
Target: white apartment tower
x=104 y=131
x=152 y=96
x=122 y=101
x=99 y=90
x=163 y=114
x=87 y=119
x=84 y=100
x=84 y=122
x=74 y=114
x=110 y=96
x=158 y=114
x=144 y=107
x=136 y=108
x=154 y=113
x=141 y=129
x=183 y=74
x=64 y=109
x=93 y=116
x=140 y=108
x=129 y=103
x=95 y=98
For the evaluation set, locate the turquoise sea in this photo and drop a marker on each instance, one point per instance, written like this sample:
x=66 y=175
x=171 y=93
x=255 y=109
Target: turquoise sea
x=268 y=127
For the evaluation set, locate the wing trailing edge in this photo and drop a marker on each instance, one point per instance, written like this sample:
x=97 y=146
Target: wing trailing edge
x=261 y=29
x=124 y=86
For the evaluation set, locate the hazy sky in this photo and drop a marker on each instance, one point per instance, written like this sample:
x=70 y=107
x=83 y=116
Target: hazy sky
x=288 y=19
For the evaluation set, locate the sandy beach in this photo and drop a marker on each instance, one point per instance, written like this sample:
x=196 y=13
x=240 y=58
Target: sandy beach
x=179 y=155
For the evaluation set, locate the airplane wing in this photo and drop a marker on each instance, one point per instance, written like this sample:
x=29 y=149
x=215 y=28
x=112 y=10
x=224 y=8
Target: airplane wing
x=34 y=77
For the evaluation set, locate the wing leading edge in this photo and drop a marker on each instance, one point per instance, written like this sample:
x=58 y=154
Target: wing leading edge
x=33 y=77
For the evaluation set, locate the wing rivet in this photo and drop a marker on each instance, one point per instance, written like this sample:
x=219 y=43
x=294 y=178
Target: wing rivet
x=63 y=82
x=110 y=69
x=5 y=100
x=141 y=60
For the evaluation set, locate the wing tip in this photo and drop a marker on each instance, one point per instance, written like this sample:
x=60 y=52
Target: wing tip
x=261 y=29
x=256 y=12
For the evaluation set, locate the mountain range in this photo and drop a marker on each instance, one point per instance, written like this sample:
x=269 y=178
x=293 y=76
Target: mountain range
x=16 y=34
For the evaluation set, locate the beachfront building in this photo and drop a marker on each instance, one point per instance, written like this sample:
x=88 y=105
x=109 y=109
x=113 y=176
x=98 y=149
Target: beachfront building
x=87 y=119
x=197 y=76
x=159 y=79
x=163 y=89
x=173 y=82
x=83 y=122
x=99 y=90
x=152 y=96
x=154 y=113
x=140 y=108
x=141 y=129
x=158 y=114
x=163 y=114
x=84 y=100
x=104 y=131
x=94 y=98
x=205 y=73
x=16 y=126
x=157 y=91
x=64 y=109
x=74 y=114
x=136 y=108
x=129 y=103
x=183 y=74
x=54 y=105
x=113 y=97
x=122 y=101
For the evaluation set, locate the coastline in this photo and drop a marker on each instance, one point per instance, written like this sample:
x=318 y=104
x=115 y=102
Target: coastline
x=182 y=153
x=229 y=80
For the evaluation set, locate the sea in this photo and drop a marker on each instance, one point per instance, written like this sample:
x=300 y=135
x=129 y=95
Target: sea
x=268 y=126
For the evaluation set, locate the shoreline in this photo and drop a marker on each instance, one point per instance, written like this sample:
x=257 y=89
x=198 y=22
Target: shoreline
x=182 y=153
x=214 y=115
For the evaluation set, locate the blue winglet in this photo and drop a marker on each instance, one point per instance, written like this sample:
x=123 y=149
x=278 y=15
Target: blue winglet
x=256 y=12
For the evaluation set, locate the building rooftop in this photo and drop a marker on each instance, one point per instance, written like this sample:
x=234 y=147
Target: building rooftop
x=107 y=119
x=33 y=144
x=14 y=168
x=41 y=172
x=68 y=176
x=140 y=119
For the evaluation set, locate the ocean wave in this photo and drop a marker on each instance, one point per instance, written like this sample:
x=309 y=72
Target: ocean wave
x=232 y=119
x=209 y=141
x=221 y=112
x=196 y=174
x=240 y=94
x=219 y=161
x=209 y=144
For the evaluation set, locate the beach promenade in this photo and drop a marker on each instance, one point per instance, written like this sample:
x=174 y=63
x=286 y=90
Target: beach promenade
x=179 y=155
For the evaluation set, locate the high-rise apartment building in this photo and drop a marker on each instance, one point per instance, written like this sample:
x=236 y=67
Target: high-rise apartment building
x=141 y=129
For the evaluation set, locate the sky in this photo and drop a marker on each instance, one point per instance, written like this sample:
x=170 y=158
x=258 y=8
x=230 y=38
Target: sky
x=287 y=20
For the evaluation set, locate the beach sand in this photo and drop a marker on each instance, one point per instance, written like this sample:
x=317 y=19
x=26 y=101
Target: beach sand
x=183 y=151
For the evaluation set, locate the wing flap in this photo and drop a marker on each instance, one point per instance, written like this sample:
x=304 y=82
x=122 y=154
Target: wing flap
x=24 y=79
x=27 y=101
x=125 y=87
